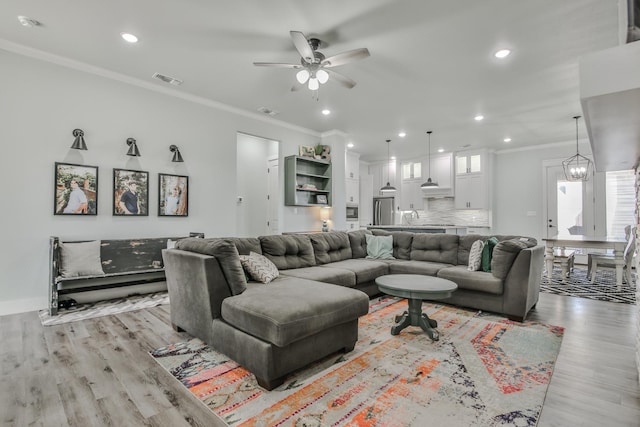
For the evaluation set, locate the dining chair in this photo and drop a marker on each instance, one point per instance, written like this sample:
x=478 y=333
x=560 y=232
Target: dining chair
x=596 y=261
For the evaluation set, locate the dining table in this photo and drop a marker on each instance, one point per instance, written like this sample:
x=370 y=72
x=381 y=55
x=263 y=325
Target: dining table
x=561 y=241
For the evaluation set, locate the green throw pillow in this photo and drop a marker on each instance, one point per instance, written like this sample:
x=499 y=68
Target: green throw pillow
x=379 y=247
x=487 y=253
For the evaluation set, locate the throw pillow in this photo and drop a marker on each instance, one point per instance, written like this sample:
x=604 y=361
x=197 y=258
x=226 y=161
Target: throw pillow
x=487 y=253
x=475 y=256
x=260 y=268
x=80 y=259
x=379 y=247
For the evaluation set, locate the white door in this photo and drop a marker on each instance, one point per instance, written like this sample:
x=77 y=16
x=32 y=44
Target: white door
x=273 y=197
x=569 y=204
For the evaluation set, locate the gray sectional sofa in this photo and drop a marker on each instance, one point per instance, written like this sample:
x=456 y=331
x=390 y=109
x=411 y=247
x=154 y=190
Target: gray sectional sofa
x=324 y=284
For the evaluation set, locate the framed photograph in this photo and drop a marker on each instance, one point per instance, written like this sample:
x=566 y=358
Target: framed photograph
x=130 y=192
x=307 y=151
x=173 y=195
x=76 y=189
x=321 y=199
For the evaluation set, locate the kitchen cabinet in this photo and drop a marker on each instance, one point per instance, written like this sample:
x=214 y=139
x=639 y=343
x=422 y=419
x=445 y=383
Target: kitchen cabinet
x=353 y=191
x=306 y=181
x=352 y=165
x=469 y=163
x=353 y=225
x=473 y=180
x=411 y=170
x=471 y=192
x=411 y=197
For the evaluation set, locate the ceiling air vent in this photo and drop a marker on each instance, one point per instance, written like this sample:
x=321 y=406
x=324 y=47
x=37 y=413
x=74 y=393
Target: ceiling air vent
x=268 y=111
x=167 y=79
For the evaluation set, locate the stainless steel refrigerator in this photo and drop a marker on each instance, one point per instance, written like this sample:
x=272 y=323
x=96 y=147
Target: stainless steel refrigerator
x=383 y=209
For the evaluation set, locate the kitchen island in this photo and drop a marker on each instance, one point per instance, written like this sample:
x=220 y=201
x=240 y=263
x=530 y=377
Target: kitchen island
x=449 y=229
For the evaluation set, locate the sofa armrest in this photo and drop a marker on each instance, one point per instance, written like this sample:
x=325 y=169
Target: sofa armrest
x=522 y=284
x=197 y=287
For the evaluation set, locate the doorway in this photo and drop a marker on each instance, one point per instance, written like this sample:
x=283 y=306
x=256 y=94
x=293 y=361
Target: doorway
x=257 y=178
x=570 y=208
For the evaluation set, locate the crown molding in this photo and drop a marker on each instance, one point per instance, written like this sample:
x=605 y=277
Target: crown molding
x=112 y=75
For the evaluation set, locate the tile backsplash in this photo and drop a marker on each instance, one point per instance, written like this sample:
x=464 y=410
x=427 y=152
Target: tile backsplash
x=443 y=211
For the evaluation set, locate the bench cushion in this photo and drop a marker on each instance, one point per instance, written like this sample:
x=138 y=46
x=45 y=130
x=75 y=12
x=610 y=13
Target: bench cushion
x=336 y=276
x=288 y=251
x=365 y=270
x=416 y=267
x=330 y=247
x=472 y=280
x=290 y=309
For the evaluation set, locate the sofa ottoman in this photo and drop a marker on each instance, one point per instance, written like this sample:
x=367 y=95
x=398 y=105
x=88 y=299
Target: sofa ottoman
x=277 y=328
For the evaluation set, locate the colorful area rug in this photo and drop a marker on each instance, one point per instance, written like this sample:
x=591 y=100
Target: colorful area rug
x=103 y=308
x=578 y=285
x=484 y=371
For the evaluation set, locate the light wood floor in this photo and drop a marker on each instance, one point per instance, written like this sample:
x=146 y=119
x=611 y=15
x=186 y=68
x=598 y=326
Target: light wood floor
x=97 y=372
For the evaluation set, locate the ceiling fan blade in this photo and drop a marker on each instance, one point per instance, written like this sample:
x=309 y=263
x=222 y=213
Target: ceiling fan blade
x=345 y=57
x=342 y=79
x=276 y=64
x=302 y=45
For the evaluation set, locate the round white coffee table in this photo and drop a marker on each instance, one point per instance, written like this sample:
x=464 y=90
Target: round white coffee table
x=415 y=287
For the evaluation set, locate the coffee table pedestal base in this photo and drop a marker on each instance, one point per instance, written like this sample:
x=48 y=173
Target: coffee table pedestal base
x=415 y=317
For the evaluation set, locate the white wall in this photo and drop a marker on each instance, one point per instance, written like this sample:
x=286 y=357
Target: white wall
x=518 y=187
x=41 y=103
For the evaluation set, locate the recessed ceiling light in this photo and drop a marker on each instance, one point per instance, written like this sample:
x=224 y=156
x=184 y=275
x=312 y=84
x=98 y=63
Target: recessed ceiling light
x=502 y=53
x=128 y=37
x=507 y=140
x=402 y=134
x=393 y=157
x=478 y=118
x=440 y=150
x=350 y=145
x=326 y=112
x=25 y=21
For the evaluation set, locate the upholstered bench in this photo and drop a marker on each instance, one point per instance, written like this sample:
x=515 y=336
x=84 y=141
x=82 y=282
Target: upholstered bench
x=276 y=328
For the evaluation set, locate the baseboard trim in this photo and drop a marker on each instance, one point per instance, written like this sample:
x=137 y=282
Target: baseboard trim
x=17 y=306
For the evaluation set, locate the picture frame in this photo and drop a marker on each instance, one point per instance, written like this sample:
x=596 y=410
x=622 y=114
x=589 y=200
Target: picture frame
x=306 y=151
x=130 y=192
x=75 y=189
x=173 y=195
x=321 y=199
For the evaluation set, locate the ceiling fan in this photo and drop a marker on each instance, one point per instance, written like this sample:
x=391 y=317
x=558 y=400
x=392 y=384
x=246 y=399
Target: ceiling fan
x=315 y=68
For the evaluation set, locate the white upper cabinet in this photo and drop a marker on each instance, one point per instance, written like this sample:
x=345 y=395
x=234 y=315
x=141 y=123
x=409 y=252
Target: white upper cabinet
x=411 y=170
x=473 y=180
x=469 y=163
x=352 y=165
x=441 y=171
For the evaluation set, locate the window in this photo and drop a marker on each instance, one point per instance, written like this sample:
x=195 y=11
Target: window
x=620 y=201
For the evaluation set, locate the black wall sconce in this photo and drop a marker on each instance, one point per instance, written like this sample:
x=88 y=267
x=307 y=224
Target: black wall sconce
x=78 y=143
x=133 y=148
x=177 y=157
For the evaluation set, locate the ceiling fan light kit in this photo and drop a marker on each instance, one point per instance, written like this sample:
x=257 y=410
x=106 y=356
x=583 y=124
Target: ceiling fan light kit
x=314 y=66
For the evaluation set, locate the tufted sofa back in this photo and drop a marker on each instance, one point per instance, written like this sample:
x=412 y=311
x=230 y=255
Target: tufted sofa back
x=331 y=247
x=288 y=251
x=401 y=242
x=435 y=248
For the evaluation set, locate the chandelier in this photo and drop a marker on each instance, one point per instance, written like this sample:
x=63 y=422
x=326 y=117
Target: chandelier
x=577 y=167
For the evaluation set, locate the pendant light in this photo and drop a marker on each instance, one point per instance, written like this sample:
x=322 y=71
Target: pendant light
x=388 y=188
x=577 y=167
x=429 y=183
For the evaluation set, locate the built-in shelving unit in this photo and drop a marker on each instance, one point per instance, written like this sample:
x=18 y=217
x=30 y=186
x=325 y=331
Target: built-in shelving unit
x=305 y=179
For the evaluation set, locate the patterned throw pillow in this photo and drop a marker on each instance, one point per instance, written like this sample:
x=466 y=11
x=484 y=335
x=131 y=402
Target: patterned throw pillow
x=475 y=256
x=260 y=268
